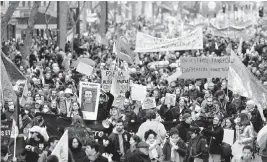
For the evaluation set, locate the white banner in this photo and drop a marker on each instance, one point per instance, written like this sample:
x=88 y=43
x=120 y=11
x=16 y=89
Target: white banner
x=61 y=149
x=190 y=41
x=89 y=99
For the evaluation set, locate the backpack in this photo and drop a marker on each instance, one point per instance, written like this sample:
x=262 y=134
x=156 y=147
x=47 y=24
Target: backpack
x=226 y=150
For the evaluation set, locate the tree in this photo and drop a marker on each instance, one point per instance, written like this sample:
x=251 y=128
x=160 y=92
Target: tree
x=6 y=18
x=30 y=28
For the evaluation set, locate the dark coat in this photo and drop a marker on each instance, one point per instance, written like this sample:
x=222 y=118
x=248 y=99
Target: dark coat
x=167 y=149
x=197 y=148
x=114 y=142
x=183 y=129
x=103 y=109
x=216 y=135
x=137 y=156
x=256 y=120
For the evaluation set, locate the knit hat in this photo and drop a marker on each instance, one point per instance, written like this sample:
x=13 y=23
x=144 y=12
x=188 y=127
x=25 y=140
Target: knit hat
x=185 y=116
x=142 y=145
x=173 y=131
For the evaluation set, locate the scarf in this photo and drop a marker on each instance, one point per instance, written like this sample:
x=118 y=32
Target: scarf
x=153 y=153
x=175 y=157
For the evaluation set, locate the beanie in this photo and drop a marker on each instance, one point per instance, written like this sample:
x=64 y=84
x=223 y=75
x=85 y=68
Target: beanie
x=173 y=131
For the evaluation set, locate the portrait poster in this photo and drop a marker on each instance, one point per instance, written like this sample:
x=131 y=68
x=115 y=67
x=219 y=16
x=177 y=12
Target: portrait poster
x=170 y=99
x=89 y=99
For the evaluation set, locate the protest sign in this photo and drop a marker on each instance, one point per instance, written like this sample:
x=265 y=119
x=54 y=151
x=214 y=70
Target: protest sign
x=89 y=99
x=84 y=68
x=138 y=92
x=6 y=127
x=204 y=67
x=123 y=80
x=107 y=76
x=61 y=149
x=174 y=76
x=170 y=99
x=228 y=136
x=149 y=103
x=190 y=41
x=118 y=101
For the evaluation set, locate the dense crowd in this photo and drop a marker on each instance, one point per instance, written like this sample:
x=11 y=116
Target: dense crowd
x=203 y=107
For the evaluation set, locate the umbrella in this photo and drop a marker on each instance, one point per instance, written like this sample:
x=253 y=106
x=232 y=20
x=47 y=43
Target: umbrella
x=262 y=136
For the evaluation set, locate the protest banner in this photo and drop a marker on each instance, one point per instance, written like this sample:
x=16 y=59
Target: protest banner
x=190 y=41
x=6 y=127
x=84 y=68
x=228 y=136
x=123 y=81
x=118 y=101
x=149 y=103
x=170 y=99
x=61 y=150
x=205 y=67
x=107 y=76
x=89 y=99
x=138 y=92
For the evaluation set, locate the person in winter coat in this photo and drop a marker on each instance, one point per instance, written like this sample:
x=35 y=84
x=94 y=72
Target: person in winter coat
x=105 y=103
x=119 y=141
x=141 y=154
x=197 y=148
x=93 y=154
x=48 y=150
x=174 y=149
x=184 y=126
x=134 y=140
x=155 y=151
x=152 y=123
x=78 y=152
x=216 y=135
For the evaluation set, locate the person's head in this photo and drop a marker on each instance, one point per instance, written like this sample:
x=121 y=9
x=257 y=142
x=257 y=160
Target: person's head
x=75 y=105
x=102 y=98
x=211 y=86
x=247 y=152
x=126 y=103
x=134 y=140
x=187 y=118
x=88 y=95
x=143 y=147
x=209 y=101
x=4 y=153
x=228 y=122
x=119 y=126
x=174 y=135
x=92 y=148
x=194 y=132
x=150 y=136
x=156 y=94
x=53 y=140
x=53 y=104
x=38 y=104
x=217 y=120
x=250 y=105
x=151 y=114
x=52 y=158
x=220 y=94
x=53 y=92
x=182 y=102
x=68 y=93
x=75 y=143
x=46 y=107
x=207 y=94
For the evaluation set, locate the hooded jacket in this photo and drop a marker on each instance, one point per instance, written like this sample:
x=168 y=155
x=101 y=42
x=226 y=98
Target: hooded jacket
x=115 y=144
x=77 y=153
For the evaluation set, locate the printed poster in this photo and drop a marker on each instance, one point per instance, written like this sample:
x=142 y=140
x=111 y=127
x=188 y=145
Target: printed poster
x=89 y=99
x=107 y=76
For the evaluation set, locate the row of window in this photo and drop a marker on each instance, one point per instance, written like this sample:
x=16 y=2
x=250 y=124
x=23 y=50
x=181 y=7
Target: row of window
x=27 y=3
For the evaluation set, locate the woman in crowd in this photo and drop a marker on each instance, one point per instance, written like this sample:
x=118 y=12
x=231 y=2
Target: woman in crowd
x=134 y=140
x=77 y=150
x=75 y=109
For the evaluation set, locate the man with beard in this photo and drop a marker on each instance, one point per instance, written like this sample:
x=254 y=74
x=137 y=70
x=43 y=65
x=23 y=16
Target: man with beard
x=104 y=106
x=216 y=138
x=93 y=154
x=119 y=141
x=88 y=104
x=130 y=116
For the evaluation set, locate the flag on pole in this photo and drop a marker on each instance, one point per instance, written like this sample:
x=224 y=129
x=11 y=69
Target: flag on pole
x=239 y=50
x=62 y=148
x=25 y=92
x=14 y=130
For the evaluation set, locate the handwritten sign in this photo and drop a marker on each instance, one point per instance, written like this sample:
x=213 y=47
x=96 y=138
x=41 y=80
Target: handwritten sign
x=228 y=136
x=147 y=43
x=149 y=103
x=205 y=67
x=107 y=76
x=138 y=92
x=123 y=81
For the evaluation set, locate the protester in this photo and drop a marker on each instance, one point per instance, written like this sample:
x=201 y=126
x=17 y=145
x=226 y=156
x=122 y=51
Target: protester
x=184 y=126
x=93 y=154
x=49 y=149
x=134 y=140
x=52 y=158
x=142 y=153
x=77 y=150
x=247 y=155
